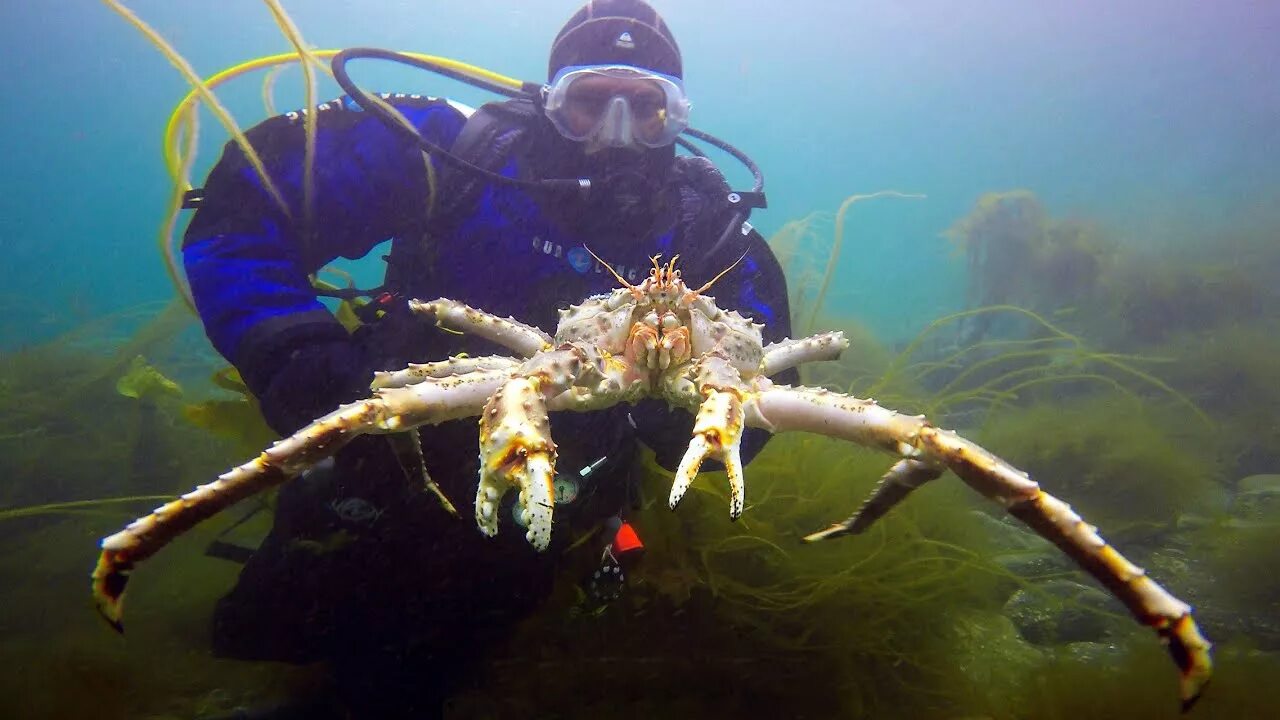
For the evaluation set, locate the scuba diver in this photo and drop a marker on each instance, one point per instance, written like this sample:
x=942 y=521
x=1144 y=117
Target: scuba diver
x=496 y=207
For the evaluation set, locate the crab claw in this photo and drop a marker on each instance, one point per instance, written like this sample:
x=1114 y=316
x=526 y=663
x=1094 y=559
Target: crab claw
x=717 y=434
x=516 y=451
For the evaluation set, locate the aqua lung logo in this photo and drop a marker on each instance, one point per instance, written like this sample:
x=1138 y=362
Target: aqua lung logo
x=582 y=262
x=625 y=42
x=547 y=248
x=580 y=259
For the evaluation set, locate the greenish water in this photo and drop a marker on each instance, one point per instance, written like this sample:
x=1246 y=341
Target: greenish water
x=1111 y=169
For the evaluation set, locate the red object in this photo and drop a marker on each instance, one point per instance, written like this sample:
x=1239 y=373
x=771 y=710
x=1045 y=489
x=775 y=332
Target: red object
x=626 y=540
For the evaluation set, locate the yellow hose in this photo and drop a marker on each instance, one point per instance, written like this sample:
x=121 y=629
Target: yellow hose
x=178 y=144
x=173 y=127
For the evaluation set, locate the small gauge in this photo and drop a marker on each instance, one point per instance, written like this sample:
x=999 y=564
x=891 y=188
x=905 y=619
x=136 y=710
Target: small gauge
x=566 y=489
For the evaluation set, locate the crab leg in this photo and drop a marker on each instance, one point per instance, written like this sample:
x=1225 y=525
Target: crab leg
x=902 y=478
x=787 y=354
x=526 y=340
x=456 y=365
x=780 y=409
x=392 y=410
x=717 y=431
x=516 y=450
x=407 y=447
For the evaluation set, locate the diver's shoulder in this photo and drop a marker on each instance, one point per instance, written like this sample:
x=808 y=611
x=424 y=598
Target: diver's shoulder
x=345 y=105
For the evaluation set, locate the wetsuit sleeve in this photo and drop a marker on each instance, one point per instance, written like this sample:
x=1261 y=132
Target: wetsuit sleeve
x=248 y=254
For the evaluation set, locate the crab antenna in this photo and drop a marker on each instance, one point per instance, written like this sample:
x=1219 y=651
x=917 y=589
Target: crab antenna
x=671 y=268
x=724 y=272
x=609 y=267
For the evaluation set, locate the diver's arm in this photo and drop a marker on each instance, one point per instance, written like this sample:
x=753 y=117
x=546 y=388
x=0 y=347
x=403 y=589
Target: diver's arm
x=248 y=259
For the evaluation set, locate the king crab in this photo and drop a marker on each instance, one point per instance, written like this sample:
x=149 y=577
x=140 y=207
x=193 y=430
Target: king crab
x=655 y=339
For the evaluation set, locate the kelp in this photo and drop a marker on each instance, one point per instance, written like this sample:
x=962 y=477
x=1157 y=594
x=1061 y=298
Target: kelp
x=772 y=624
x=724 y=618
x=1016 y=254
x=179 y=142
x=799 y=246
x=1124 y=464
x=990 y=374
x=142 y=381
x=96 y=412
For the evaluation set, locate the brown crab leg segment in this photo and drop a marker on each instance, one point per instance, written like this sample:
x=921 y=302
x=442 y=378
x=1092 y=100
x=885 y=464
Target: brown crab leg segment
x=782 y=409
x=456 y=365
x=905 y=476
x=389 y=411
x=525 y=340
x=407 y=447
x=1055 y=521
x=717 y=431
x=787 y=354
x=516 y=450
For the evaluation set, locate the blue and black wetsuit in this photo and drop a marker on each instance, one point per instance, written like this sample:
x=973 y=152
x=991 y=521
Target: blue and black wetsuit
x=493 y=246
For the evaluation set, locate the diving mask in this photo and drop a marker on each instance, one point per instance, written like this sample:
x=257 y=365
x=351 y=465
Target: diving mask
x=616 y=105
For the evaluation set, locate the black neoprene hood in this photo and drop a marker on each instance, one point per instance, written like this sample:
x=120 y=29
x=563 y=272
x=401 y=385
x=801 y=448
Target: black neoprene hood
x=627 y=32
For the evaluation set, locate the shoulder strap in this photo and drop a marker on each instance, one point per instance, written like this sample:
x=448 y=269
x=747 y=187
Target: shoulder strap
x=487 y=140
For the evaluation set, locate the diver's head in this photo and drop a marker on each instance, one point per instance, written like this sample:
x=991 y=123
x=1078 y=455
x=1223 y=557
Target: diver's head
x=615 y=78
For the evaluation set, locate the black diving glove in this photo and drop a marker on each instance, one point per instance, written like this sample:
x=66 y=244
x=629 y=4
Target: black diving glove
x=311 y=381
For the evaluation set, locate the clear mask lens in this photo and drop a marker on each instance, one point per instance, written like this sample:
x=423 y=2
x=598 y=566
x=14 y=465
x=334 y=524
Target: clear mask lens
x=617 y=106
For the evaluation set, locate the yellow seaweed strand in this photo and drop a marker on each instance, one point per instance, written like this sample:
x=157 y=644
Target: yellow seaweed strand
x=268 y=90
x=309 y=114
x=429 y=169
x=205 y=94
x=11 y=513
x=900 y=360
x=174 y=209
x=839 y=239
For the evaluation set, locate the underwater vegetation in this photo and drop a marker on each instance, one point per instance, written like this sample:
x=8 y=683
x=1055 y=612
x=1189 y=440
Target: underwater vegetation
x=1121 y=294
x=88 y=414
x=1016 y=254
x=950 y=609
x=1231 y=371
x=95 y=426
x=1100 y=453
x=945 y=609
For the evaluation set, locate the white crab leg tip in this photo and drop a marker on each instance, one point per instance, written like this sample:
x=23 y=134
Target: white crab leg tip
x=737 y=486
x=538 y=498
x=698 y=450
